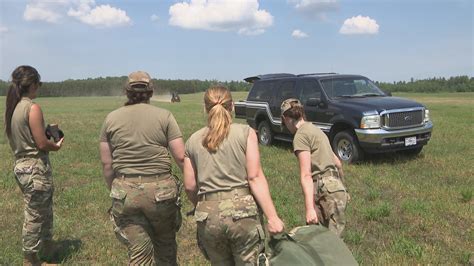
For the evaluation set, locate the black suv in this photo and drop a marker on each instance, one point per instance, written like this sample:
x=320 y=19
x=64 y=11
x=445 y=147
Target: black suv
x=357 y=116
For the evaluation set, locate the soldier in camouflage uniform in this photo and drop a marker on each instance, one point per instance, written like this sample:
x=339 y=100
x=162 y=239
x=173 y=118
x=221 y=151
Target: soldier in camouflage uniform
x=224 y=180
x=26 y=134
x=135 y=145
x=320 y=170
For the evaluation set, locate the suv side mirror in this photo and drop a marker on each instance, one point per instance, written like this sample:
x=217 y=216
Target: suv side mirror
x=313 y=102
x=388 y=93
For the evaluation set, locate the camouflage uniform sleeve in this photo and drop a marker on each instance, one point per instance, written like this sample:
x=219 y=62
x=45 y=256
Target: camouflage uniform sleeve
x=172 y=130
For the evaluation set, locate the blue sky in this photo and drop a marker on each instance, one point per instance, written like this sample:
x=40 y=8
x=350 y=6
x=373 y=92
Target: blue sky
x=386 y=40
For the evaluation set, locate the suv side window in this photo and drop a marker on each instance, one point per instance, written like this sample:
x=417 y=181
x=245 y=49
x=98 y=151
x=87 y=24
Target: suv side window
x=309 y=89
x=262 y=91
x=287 y=90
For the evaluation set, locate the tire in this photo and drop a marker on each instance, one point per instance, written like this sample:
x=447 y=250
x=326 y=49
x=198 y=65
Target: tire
x=265 y=133
x=412 y=152
x=346 y=146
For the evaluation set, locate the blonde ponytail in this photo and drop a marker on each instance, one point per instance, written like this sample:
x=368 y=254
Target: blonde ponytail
x=218 y=102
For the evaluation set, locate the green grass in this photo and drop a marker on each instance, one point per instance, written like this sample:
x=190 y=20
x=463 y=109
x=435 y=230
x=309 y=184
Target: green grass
x=403 y=210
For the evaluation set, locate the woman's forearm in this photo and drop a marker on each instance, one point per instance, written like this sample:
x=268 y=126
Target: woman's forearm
x=260 y=191
x=308 y=191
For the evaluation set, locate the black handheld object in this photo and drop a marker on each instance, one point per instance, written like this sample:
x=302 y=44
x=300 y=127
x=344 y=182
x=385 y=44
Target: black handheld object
x=53 y=131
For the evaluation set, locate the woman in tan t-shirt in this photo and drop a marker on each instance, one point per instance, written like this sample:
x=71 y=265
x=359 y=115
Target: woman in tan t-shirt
x=320 y=170
x=224 y=181
x=24 y=127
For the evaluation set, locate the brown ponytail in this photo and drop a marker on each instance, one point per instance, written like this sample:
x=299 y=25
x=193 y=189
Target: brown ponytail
x=23 y=77
x=218 y=103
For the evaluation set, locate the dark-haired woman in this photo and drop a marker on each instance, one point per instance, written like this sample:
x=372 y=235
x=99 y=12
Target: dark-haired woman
x=224 y=181
x=24 y=127
x=320 y=170
x=135 y=145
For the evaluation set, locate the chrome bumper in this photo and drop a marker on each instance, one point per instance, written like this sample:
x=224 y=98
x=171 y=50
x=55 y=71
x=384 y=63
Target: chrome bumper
x=377 y=136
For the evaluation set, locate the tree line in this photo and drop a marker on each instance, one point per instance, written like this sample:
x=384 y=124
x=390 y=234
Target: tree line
x=114 y=86
x=452 y=84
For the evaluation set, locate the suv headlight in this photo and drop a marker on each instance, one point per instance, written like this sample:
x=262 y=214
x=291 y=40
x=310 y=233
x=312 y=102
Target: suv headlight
x=370 y=121
x=427 y=116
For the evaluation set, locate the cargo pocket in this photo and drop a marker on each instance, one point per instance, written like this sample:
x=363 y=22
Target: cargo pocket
x=23 y=172
x=118 y=232
x=332 y=184
x=118 y=195
x=166 y=190
x=41 y=175
x=244 y=206
x=200 y=217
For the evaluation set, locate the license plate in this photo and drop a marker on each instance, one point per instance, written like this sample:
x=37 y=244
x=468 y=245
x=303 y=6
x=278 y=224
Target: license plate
x=410 y=141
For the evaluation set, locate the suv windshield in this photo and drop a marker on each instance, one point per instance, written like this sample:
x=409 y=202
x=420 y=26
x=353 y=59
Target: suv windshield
x=351 y=88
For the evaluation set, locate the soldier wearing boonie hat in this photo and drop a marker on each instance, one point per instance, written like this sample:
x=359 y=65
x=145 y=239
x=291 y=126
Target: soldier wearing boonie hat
x=321 y=176
x=135 y=145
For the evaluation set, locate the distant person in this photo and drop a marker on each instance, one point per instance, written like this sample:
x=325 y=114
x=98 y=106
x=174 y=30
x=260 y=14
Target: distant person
x=320 y=170
x=224 y=181
x=135 y=142
x=25 y=129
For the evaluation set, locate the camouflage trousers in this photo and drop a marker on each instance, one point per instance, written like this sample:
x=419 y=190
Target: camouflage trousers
x=146 y=216
x=331 y=200
x=229 y=229
x=34 y=178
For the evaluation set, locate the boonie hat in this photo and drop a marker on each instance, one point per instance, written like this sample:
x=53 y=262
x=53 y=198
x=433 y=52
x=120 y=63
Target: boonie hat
x=286 y=104
x=139 y=78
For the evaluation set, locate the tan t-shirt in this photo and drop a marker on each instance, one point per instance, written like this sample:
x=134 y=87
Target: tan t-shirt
x=21 y=140
x=226 y=168
x=310 y=138
x=138 y=135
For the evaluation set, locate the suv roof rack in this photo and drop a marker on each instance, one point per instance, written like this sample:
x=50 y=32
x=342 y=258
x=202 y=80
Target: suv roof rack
x=316 y=74
x=269 y=76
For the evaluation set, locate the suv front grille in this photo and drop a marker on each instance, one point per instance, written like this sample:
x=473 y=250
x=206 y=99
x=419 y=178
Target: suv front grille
x=403 y=119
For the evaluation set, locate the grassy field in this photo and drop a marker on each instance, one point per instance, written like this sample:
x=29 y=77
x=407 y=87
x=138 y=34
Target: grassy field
x=403 y=210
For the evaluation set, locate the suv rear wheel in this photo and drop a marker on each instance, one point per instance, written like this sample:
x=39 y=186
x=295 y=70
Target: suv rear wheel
x=265 y=134
x=346 y=147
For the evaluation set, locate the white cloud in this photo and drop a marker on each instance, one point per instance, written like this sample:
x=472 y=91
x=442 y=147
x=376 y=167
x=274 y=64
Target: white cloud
x=86 y=11
x=244 y=17
x=315 y=8
x=154 y=17
x=298 y=34
x=103 y=16
x=48 y=11
x=359 y=25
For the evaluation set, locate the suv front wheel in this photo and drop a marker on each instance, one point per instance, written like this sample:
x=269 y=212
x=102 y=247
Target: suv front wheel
x=346 y=147
x=265 y=134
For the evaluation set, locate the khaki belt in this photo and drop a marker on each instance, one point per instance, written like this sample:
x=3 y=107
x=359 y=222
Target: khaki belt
x=144 y=178
x=219 y=195
x=328 y=173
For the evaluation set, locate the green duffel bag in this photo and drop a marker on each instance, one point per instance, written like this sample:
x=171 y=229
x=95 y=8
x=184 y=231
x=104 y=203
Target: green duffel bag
x=309 y=245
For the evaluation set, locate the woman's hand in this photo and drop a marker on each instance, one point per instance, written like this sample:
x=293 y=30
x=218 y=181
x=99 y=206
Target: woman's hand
x=311 y=217
x=59 y=144
x=275 y=226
